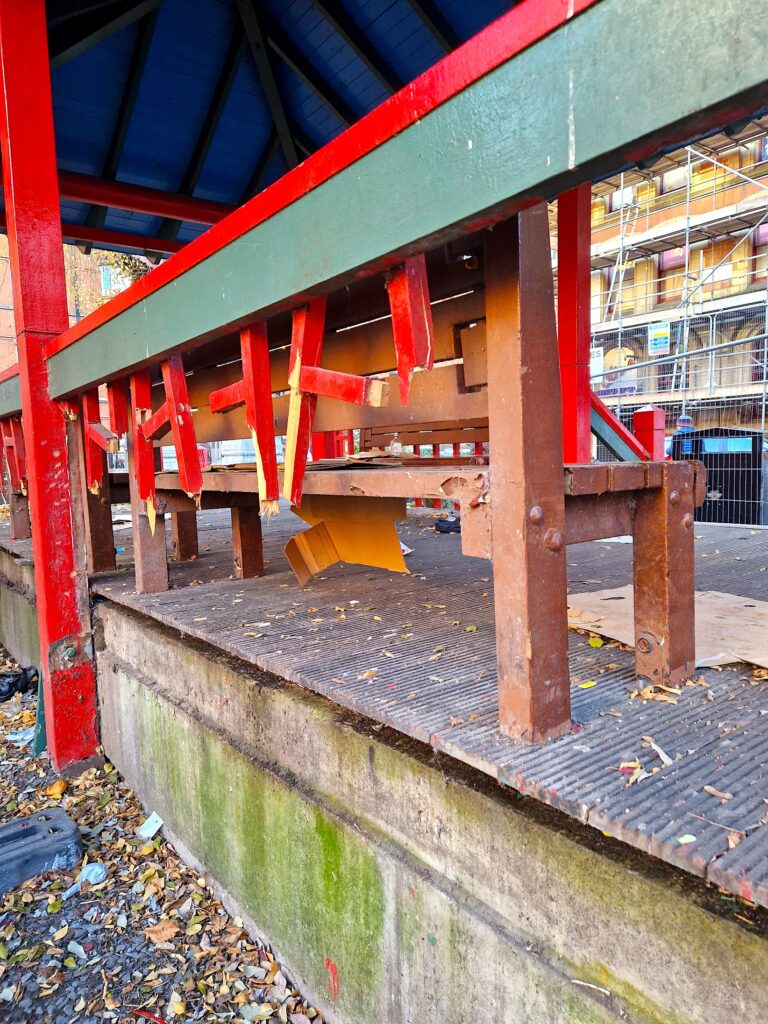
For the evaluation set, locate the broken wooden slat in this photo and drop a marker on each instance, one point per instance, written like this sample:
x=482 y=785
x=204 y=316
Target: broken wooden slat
x=411 y=320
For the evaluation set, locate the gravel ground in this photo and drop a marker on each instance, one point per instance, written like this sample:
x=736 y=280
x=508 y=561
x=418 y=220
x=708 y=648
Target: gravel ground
x=150 y=942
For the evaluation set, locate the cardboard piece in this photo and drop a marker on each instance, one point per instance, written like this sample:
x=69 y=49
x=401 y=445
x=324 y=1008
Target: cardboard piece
x=728 y=628
x=359 y=530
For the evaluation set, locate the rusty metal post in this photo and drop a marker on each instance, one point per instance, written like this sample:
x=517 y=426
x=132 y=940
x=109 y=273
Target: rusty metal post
x=665 y=647
x=184 y=544
x=21 y=527
x=40 y=311
x=149 y=550
x=247 y=545
x=527 y=500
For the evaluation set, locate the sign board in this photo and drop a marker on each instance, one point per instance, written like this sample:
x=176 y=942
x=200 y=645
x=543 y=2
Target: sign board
x=596 y=362
x=658 y=339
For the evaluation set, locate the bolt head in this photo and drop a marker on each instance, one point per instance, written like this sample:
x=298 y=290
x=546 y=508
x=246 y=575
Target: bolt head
x=554 y=540
x=536 y=515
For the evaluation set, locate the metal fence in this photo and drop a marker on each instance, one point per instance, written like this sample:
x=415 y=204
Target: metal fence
x=713 y=386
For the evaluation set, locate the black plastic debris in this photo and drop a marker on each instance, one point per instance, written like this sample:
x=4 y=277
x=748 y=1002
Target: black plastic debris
x=449 y=525
x=20 y=680
x=40 y=842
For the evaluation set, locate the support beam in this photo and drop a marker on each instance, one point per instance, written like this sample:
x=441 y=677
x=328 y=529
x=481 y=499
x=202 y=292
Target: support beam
x=77 y=34
x=574 y=222
x=247 y=544
x=257 y=44
x=83 y=188
x=97 y=215
x=40 y=311
x=435 y=21
x=528 y=506
x=357 y=41
x=184 y=544
x=664 y=577
x=280 y=42
x=221 y=91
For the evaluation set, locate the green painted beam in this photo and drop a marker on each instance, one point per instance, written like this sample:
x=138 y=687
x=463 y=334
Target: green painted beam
x=613 y=85
x=604 y=432
x=10 y=397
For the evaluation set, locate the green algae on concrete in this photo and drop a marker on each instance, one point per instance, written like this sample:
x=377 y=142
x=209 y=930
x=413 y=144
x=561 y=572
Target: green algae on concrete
x=310 y=881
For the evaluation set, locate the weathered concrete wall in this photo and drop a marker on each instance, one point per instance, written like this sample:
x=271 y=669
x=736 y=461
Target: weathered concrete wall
x=18 y=610
x=430 y=893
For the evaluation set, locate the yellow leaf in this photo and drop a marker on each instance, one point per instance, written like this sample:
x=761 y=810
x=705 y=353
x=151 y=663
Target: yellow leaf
x=586 y=686
x=595 y=641
x=60 y=933
x=149 y=848
x=56 y=789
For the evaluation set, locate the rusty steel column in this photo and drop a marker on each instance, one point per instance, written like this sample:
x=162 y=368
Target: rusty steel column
x=665 y=642
x=527 y=499
x=40 y=311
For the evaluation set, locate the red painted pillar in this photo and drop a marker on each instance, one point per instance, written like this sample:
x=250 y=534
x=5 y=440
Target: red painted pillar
x=574 y=213
x=648 y=428
x=40 y=310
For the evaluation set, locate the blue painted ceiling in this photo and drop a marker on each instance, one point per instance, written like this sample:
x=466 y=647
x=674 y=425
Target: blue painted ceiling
x=136 y=85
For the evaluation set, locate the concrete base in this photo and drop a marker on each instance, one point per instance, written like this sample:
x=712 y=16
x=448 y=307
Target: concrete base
x=396 y=885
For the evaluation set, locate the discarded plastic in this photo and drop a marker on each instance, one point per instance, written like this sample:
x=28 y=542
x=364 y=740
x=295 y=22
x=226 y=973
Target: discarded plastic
x=92 y=873
x=21 y=680
x=450 y=525
x=151 y=826
x=22 y=737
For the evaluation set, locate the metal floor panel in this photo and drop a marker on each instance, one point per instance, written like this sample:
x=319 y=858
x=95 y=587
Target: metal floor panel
x=396 y=649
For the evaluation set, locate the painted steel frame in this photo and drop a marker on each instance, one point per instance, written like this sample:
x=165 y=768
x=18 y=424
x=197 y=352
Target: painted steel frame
x=489 y=169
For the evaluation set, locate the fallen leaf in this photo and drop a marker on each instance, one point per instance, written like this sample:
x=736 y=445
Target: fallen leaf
x=734 y=838
x=56 y=789
x=470 y=629
x=595 y=641
x=717 y=793
x=163 y=931
x=686 y=839
x=586 y=686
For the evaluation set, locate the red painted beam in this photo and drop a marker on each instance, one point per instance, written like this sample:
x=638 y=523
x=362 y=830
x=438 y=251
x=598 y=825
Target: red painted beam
x=40 y=313
x=509 y=35
x=120 y=195
x=118 y=239
x=83 y=188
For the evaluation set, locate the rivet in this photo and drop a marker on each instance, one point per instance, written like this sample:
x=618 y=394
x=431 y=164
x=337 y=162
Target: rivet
x=536 y=515
x=553 y=540
x=674 y=498
x=688 y=520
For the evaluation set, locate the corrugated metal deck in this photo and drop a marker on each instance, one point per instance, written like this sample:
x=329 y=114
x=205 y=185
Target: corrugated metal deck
x=417 y=654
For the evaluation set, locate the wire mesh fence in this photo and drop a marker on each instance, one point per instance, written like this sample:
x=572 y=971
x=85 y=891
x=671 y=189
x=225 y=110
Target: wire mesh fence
x=712 y=383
